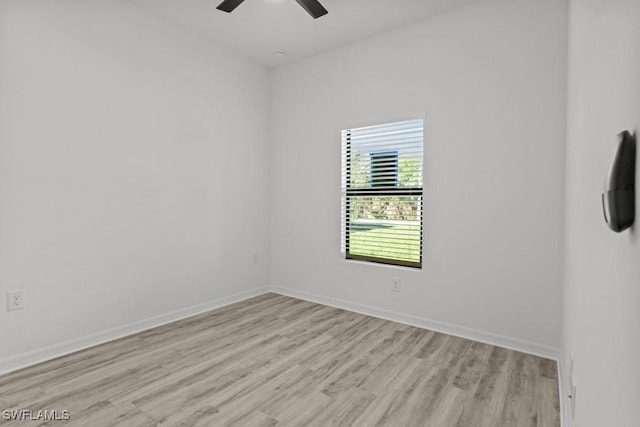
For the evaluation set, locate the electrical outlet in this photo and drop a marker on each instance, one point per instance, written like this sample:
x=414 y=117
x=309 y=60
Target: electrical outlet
x=395 y=284
x=254 y=259
x=15 y=300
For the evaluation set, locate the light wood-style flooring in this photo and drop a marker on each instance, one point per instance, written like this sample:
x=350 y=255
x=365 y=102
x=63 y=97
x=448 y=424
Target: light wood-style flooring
x=274 y=360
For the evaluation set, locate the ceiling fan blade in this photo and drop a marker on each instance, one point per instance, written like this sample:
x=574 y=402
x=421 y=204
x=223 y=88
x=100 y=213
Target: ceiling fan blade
x=229 y=5
x=314 y=8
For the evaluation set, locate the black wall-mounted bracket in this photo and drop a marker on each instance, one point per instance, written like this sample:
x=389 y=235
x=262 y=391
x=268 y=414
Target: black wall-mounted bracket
x=618 y=199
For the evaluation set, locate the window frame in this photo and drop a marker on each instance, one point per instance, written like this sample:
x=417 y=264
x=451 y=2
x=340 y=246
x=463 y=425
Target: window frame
x=350 y=192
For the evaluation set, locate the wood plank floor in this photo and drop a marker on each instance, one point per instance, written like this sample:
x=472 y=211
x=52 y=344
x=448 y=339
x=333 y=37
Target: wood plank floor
x=274 y=360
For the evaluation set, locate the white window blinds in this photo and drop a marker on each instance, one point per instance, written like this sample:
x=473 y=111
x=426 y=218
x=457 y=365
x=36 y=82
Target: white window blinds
x=382 y=193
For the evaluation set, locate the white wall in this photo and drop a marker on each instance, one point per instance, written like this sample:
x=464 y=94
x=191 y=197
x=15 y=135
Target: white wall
x=602 y=290
x=491 y=78
x=133 y=169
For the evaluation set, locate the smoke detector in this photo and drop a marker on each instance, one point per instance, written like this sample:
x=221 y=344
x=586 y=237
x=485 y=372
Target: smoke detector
x=280 y=53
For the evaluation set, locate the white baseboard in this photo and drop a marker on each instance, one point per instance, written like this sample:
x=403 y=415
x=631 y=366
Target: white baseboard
x=43 y=354
x=563 y=392
x=516 y=344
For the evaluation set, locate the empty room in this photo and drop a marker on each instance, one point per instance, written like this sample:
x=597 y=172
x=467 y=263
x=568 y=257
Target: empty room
x=319 y=213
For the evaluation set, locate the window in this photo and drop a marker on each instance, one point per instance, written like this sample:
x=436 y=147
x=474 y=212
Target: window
x=382 y=193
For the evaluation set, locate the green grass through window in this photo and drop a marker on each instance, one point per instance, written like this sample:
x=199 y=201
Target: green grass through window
x=399 y=242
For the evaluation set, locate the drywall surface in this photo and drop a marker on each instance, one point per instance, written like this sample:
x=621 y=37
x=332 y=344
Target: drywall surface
x=134 y=175
x=491 y=78
x=602 y=286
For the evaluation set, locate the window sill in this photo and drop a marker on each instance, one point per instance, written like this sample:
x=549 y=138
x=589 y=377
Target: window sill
x=381 y=265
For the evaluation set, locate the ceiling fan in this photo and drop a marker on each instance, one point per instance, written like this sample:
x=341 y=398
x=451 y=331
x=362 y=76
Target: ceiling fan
x=313 y=7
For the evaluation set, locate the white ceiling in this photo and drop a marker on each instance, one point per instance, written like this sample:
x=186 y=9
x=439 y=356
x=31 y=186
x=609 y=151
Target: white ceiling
x=257 y=28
